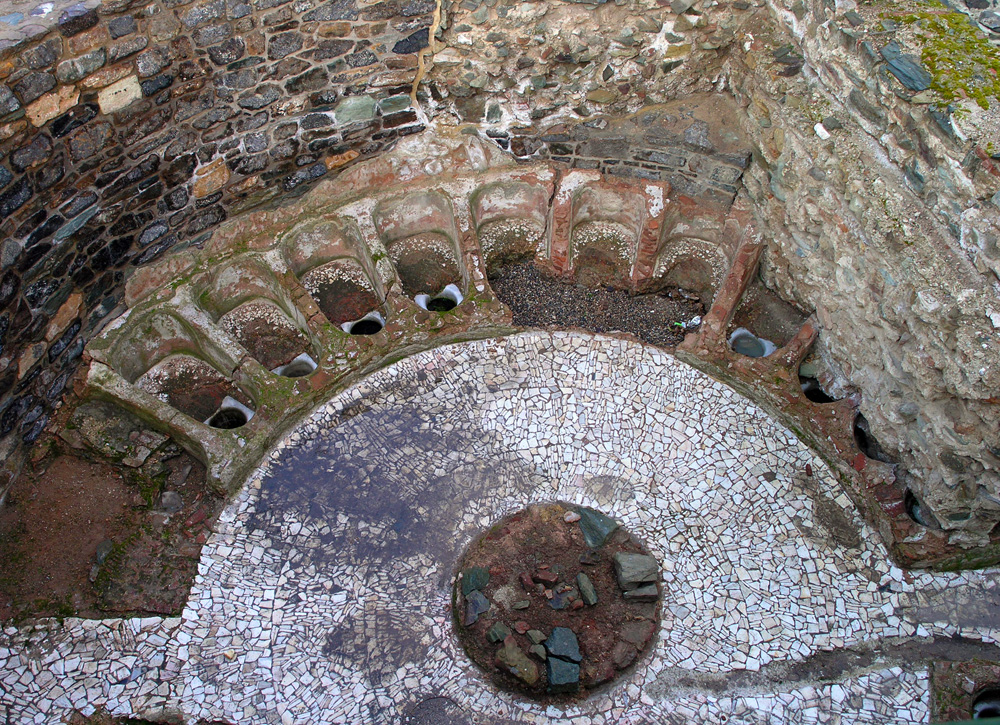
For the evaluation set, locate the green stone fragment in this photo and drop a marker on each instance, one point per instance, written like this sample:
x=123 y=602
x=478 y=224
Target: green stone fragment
x=517 y=663
x=596 y=526
x=536 y=636
x=394 y=104
x=473 y=578
x=498 y=632
x=354 y=109
x=601 y=96
x=587 y=591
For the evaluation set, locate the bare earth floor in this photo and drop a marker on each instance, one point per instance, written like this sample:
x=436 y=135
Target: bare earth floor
x=323 y=596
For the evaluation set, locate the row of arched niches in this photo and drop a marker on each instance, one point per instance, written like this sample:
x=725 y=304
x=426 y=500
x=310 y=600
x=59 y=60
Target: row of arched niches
x=227 y=347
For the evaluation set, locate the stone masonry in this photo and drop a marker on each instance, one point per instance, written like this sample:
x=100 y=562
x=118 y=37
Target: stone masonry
x=129 y=129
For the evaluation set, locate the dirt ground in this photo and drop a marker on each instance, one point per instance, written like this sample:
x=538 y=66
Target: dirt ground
x=524 y=549
x=65 y=508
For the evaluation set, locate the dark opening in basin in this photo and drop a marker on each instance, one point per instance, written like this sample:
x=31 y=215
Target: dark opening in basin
x=228 y=418
x=441 y=304
x=366 y=327
x=298 y=367
x=866 y=441
x=987 y=705
x=297 y=370
x=912 y=505
x=746 y=343
x=812 y=390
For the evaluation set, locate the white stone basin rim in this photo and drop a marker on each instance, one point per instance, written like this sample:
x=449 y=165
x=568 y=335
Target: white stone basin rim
x=374 y=315
x=301 y=365
x=451 y=292
x=229 y=403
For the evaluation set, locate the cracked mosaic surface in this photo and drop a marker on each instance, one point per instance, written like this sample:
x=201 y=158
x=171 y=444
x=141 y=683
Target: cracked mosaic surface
x=323 y=595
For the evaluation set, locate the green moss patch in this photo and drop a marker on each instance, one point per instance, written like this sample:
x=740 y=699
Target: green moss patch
x=958 y=56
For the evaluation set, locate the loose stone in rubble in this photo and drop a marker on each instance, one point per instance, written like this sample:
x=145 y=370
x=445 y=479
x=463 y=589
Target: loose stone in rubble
x=648 y=593
x=473 y=578
x=498 y=632
x=563 y=676
x=516 y=662
x=562 y=643
x=475 y=604
x=587 y=591
x=596 y=526
x=634 y=570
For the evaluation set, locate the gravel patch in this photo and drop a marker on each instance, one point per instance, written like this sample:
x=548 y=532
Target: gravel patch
x=538 y=300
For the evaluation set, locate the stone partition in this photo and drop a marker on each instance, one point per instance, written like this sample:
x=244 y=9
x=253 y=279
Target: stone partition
x=608 y=229
x=129 y=129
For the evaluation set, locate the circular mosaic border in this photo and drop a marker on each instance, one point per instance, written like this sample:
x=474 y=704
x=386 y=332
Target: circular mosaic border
x=324 y=594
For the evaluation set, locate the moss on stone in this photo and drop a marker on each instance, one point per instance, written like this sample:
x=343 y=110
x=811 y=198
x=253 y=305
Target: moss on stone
x=961 y=61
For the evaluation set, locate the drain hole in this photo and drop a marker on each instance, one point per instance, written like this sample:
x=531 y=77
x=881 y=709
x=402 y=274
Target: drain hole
x=231 y=414
x=448 y=299
x=866 y=441
x=366 y=327
x=228 y=419
x=370 y=324
x=298 y=368
x=812 y=390
x=987 y=705
x=913 y=508
x=441 y=304
x=746 y=343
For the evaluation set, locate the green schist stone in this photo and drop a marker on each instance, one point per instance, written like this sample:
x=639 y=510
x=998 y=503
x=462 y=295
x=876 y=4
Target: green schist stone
x=587 y=591
x=536 y=636
x=523 y=604
x=563 y=676
x=538 y=651
x=475 y=577
x=562 y=644
x=647 y=593
x=498 y=632
x=596 y=526
x=475 y=604
x=635 y=570
x=394 y=104
x=355 y=108
x=601 y=95
x=517 y=663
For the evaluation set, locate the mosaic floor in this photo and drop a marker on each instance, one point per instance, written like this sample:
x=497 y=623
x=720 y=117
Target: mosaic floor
x=324 y=595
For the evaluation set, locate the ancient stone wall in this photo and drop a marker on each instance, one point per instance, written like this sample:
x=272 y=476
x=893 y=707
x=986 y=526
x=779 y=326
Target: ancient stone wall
x=878 y=201
x=130 y=129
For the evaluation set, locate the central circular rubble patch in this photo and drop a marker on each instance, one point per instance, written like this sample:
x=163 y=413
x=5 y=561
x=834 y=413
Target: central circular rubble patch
x=556 y=600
